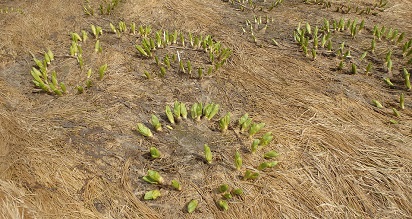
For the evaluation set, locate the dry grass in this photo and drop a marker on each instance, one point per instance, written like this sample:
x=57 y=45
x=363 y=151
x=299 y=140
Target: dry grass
x=77 y=156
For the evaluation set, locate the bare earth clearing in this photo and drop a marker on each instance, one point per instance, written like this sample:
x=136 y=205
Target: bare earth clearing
x=79 y=155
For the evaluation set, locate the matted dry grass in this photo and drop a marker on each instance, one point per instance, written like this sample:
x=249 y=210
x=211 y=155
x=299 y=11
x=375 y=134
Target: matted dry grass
x=77 y=156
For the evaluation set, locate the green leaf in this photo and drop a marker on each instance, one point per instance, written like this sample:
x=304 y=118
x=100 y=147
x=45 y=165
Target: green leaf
x=154 y=152
x=156 y=124
x=141 y=50
x=152 y=195
x=223 y=205
x=143 y=130
x=238 y=160
x=227 y=196
x=183 y=110
x=266 y=139
x=169 y=115
x=377 y=104
x=224 y=122
x=255 y=128
x=237 y=192
x=153 y=177
x=191 y=207
x=208 y=153
x=270 y=154
x=265 y=165
x=250 y=175
x=102 y=70
x=176 y=185
x=223 y=188
x=243 y=119
x=176 y=110
x=255 y=145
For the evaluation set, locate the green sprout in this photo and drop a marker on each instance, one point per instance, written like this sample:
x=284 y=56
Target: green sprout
x=141 y=50
x=102 y=70
x=266 y=139
x=238 y=160
x=313 y=54
x=406 y=76
x=76 y=37
x=152 y=195
x=133 y=28
x=194 y=112
x=396 y=112
x=402 y=101
x=183 y=110
x=63 y=87
x=208 y=153
x=354 y=68
x=265 y=165
x=80 y=89
x=255 y=145
x=377 y=104
x=113 y=28
x=156 y=124
x=368 y=68
x=224 y=122
x=162 y=71
x=223 y=188
x=255 y=127
x=227 y=196
x=243 y=119
x=223 y=205
x=388 y=82
x=200 y=72
x=189 y=67
x=191 y=207
x=143 y=130
x=97 y=47
x=169 y=115
x=176 y=111
x=270 y=154
x=154 y=153
x=393 y=121
x=176 y=185
x=237 y=191
x=210 y=110
x=153 y=177
x=249 y=175
x=147 y=74
x=363 y=55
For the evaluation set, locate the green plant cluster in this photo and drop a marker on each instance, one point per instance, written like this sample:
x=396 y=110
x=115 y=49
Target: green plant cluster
x=104 y=8
x=162 y=39
x=199 y=111
x=255 y=5
x=8 y=10
x=320 y=38
x=42 y=79
x=350 y=7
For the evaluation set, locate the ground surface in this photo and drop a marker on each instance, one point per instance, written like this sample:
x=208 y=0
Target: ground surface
x=80 y=156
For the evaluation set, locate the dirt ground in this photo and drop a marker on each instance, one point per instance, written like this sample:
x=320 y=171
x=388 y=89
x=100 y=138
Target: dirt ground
x=80 y=156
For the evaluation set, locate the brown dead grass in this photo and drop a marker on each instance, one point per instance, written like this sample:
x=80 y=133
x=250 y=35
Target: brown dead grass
x=77 y=156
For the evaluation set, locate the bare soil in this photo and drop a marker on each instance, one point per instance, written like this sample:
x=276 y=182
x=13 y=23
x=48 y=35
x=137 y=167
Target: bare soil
x=80 y=155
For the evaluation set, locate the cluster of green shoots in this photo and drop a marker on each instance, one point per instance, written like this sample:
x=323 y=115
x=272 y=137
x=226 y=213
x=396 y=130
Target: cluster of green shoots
x=142 y=30
x=200 y=111
x=226 y=195
x=217 y=54
x=76 y=51
x=104 y=8
x=255 y=4
x=258 y=25
x=7 y=10
x=154 y=177
x=41 y=78
x=351 y=8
